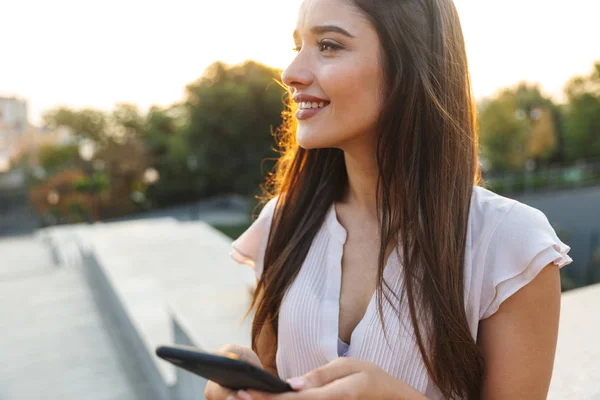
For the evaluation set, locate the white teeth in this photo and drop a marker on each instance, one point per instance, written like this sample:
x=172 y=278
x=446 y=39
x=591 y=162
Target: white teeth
x=308 y=104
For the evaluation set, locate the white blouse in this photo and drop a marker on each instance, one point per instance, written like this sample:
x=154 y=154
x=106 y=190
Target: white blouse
x=508 y=243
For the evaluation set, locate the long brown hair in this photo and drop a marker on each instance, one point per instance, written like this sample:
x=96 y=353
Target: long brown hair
x=427 y=157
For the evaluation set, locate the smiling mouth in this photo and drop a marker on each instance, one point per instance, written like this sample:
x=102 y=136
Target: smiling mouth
x=307 y=105
x=309 y=110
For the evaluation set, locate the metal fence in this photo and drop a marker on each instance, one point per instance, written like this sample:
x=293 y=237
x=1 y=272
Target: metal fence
x=546 y=179
x=16 y=216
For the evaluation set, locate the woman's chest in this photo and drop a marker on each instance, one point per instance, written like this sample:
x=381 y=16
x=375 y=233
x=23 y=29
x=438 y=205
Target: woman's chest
x=358 y=282
x=311 y=314
x=334 y=295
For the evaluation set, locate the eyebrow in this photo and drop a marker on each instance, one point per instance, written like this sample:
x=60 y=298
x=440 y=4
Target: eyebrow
x=320 y=29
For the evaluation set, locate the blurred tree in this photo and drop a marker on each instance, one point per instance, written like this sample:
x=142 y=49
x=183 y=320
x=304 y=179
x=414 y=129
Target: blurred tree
x=233 y=112
x=119 y=155
x=127 y=123
x=582 y=124
x=545 y=137
x=85 y=124
x=503 y=135
x=160 y=127
x=93 y=186
x=124 y=164
x=58 y=201
x=55 y=158
x=542 y=142
x=213 y=143
x=170 y=155
x=121 y=124
x=517 y=125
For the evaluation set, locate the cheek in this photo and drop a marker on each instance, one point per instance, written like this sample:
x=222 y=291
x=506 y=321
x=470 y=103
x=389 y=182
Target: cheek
x=354 y=91
x=355 y=95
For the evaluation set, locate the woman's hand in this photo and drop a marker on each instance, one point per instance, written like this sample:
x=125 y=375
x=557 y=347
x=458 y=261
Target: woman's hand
x=213 y=390
x=344 y=378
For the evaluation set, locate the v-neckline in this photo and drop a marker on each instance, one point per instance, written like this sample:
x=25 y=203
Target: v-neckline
x=333 y=285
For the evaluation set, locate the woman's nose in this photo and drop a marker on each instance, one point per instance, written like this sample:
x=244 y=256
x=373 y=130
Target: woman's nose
x=297 y=75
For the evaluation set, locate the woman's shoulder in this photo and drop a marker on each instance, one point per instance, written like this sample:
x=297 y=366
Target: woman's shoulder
x=250 y=246
x=512 y=242
x=488 y=209
x=496 y=220
x=491 y=212
x=486 y=204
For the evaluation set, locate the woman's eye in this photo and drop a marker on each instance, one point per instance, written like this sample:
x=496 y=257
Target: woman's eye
x=325 y=45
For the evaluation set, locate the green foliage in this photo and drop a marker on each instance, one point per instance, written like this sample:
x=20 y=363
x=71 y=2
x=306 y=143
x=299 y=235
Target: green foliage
x=233 y=231
x=56 y=158
x=502 y=135
x=170 y=155
x=97 y=183
x=517 y=125
x=127 y=122
x=583 y=116
x=117 y=160
x=87 y=123
x=232 y=112
x=214 y=143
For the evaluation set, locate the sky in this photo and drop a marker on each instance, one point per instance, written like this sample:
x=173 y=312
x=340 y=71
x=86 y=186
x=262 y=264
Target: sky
x=96 y=54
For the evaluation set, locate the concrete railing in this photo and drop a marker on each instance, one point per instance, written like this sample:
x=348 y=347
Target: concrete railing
x=187 y=385
x=163 y=282
x=133 y=339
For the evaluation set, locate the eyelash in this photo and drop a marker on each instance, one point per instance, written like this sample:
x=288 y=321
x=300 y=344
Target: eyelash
x=322 y=43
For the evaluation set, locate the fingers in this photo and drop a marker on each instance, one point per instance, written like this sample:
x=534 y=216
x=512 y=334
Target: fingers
x=337 y=369
x=336 y=380
x=340 y=389
x=310 y=394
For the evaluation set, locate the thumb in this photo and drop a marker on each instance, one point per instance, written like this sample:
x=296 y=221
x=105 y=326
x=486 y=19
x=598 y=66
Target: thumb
x=336 y=369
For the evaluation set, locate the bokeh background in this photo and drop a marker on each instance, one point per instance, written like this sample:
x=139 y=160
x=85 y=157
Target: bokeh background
x=119 y=116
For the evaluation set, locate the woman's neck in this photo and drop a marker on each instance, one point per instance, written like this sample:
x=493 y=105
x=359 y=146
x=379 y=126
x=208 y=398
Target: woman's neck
x=360 y=194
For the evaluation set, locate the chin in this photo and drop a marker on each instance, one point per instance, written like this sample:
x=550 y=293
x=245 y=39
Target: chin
x=311 y=139
x=307 y=140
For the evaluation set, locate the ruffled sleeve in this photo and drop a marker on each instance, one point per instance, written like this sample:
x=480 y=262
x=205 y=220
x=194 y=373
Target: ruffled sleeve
x=522 y=244
x=250 y=247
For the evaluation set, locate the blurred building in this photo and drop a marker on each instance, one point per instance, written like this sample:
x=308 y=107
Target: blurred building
x=18 y=137
x=13 y=113
x=13 y=126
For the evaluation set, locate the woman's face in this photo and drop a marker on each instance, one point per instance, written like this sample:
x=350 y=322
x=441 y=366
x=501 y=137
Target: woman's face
x=337 y=69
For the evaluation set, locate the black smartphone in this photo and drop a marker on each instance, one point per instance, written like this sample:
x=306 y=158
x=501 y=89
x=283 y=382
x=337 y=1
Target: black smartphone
x=227 y=370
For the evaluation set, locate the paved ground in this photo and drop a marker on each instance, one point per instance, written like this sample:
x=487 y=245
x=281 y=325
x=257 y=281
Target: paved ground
x=577 y=363
x=55 y=344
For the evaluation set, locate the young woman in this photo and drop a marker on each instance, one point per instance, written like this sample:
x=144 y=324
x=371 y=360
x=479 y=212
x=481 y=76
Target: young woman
x=378 y=243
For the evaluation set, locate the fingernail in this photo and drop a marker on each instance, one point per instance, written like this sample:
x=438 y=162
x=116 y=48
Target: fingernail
x=296 y=383
x=244 y=395
x=231 y=397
